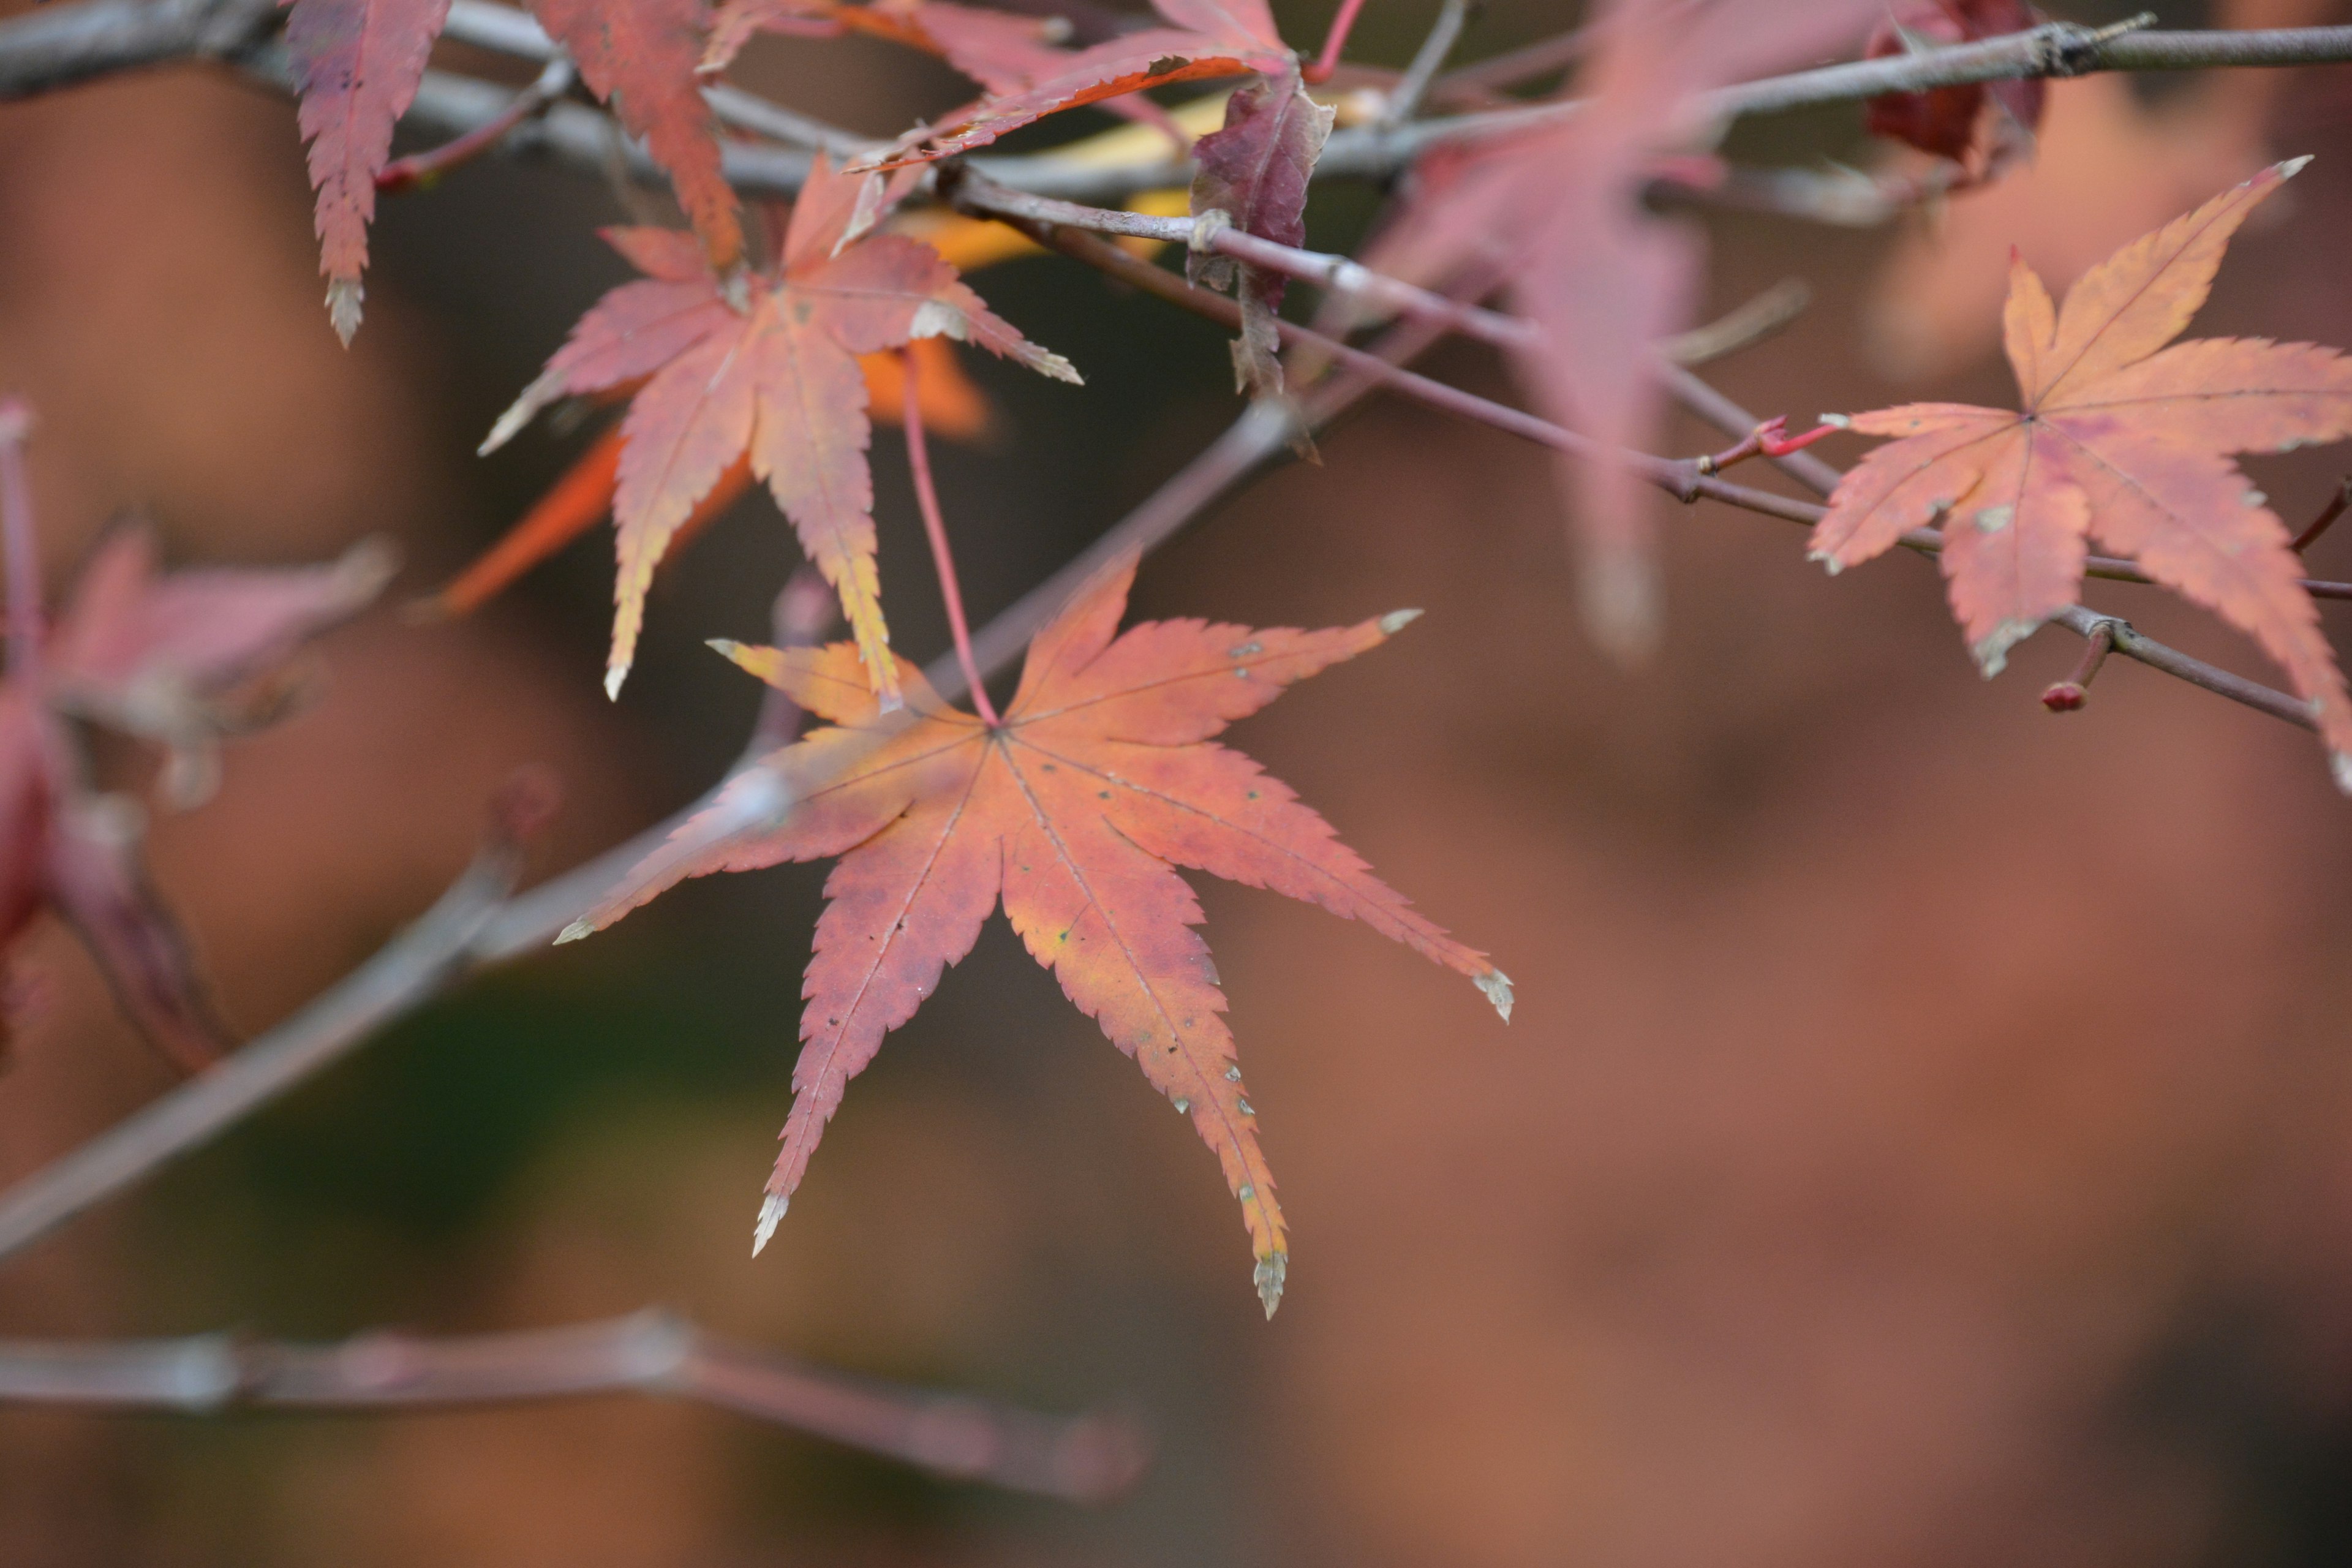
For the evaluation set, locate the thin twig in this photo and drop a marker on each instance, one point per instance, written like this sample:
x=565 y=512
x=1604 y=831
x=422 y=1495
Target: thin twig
x=1731 y=418
x=20 y=547
x=1088 y=1458
x=2068 y=695
x=423 y=168
x=1523 y=64
x=412 y=967
x=2327 y=515
x=1742 y=327
x=1404 y=99
x=804 y=611
x=927 y=501
x=59 y=46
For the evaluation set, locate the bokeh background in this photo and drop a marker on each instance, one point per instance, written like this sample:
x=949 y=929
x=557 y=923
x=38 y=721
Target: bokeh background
x=1923 y=1137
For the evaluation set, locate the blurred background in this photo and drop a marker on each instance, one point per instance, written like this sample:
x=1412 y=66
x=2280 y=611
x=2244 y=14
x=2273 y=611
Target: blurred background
x=1925 y=1136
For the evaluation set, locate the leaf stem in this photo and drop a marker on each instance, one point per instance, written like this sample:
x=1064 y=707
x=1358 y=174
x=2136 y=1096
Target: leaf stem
x=2328 y=514
x=919 y=464
x=2068 y=695
x=1326 y=62
x=23 y=544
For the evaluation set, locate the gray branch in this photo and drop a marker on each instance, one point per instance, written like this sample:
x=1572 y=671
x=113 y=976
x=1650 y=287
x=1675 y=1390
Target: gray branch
x=1084 y=1460
x=64 y=45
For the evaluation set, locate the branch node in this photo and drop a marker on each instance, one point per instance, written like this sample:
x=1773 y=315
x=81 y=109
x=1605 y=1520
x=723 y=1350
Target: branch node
x=2068 y=695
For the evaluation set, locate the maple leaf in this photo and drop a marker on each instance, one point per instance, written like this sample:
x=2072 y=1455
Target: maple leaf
x=1005 y=53
x=777 y=377
x=1209 y=39
x=357 y=64
x=641 y=55
x=186 y=658
x=2123 y=438
x=1256 y=171
x=176 y=658
x=1556 y=216
x=1075 y=812
x=582 y=496
x=1952 y=122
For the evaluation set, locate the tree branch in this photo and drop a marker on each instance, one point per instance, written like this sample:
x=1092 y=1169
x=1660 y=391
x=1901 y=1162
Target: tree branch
x=472 y=929
x=1733 y=420
x=1085 y=1459
x=61 y=46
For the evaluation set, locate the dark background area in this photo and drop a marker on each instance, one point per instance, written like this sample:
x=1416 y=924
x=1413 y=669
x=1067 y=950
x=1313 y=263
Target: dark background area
x=1922 y=1137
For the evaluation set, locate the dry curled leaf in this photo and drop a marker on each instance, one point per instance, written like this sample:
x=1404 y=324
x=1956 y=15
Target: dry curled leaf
x=1075 y=812
x=1255 y=169
x=2122 y=439
x=1988 y=122
x=775 y=377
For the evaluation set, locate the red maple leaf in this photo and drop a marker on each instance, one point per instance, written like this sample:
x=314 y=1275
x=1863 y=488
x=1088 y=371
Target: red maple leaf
x=1952 y=121
x=776 y=376
x=2125 y=439
x=183 y=659
x=1075 y=811
x=1209 y=39
x=357 y=65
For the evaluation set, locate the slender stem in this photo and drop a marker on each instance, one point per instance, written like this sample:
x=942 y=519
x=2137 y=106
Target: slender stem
x=2068 y=695
x=424 y=168
x=22 y=545
x=415 y=965
x=1083 y=1460
x=1333 y=42
x=918 y=463
x=804 y=612
x=2327 y=515
x=1515 y=66
x=1741 y=327
x=1404 y=99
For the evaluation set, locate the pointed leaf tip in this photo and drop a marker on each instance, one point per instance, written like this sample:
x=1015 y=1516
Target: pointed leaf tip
x=1269 y=1277
x=1396 y=621
x=1497 y=986
x=344 y=297
x=725 y=648
x=574 y=932
x=771 y=1209
x=613 y=679
x=2293 y=166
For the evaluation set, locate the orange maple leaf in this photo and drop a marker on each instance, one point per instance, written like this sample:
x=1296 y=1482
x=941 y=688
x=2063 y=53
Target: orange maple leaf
x=776 y=376
x=2119 y=440
x=1075 y=810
